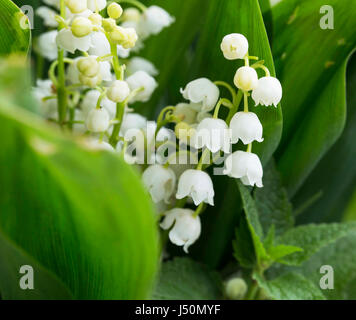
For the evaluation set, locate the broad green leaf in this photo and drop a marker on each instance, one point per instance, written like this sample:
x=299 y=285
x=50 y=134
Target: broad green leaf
x=14 y=31
x=46 y=285
x=291 y=286
x=335 y=176
x=253 y=224
x=280 y=251
x=75 y=211
x=272 y=202
x=311 y=66
x=311 y=238
x=185 y=279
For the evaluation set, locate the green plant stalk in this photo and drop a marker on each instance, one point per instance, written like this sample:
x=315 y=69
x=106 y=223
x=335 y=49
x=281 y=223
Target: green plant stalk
x=61 y=84
x=120 y=111
x=236 y=107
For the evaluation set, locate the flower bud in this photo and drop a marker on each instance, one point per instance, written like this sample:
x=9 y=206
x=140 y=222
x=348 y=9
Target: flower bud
x=109 y=24
x=234 y=46
x=114 y=11
x=81 y=27
x=88 y=66
x=130 y=38
x=246 y=78
x=96 y=19
x=117 y=34
x=98 y=120
x=96 y=5
x=118 y=91
x=235 y=289
x=91 y=82
x=76 y=6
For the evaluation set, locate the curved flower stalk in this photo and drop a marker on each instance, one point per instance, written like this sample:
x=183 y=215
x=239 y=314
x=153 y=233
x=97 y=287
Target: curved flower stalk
x=90 y=91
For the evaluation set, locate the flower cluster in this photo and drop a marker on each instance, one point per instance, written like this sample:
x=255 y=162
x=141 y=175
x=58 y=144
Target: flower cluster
x=92 y=92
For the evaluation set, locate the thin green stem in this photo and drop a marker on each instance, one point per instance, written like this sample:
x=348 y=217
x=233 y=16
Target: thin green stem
x=205 y=154
x=245 y=102
x=135 y=3
x=199 y=210
x=230 y=88
x=235 y=106
x=120 y=111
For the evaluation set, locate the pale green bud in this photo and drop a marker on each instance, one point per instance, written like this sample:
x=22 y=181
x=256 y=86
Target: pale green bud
x=81 y=27
x=114 y=11
x=235 y=289
x=88 y=66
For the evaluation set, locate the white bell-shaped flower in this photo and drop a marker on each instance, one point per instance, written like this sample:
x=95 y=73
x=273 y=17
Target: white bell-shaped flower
x=246 y=78
x=96 y=5
x=133 y=121
x=196 y=184
x=141 y=79
x=212 y=134
x=76 y=6
x=246 y=126
x=202 y=91
x=186 y=112
x=234 y=46
x=160 y=182
x=245 y=166
x=118 y=91
x=67 y=41
x=137 y=63
x=268 y=92
x=186 y=227
x=97 y=145
x=98 y=120
x=48 y=15
x=46 y=45
x=53 y=3
x=154 y=20
x=44 y=88
x=100 y=45
x=90 y=101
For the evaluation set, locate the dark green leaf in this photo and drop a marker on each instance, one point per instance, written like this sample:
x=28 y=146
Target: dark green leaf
x=184 y=279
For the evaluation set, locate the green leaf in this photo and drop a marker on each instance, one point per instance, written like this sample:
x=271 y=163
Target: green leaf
x=291 y=286
x=75 y=211
x=280 y=251
x=46 y=285
x=272 y=202
x=311 y=238
x=184 y=279
x=14 y=36
x=253 y=224
x=311 y=65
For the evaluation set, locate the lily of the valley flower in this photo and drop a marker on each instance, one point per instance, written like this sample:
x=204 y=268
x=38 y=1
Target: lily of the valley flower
x=213 y=134
x=44 y=88
x=186 y=227
x=114 y=11
x=154 y=20
x=197 y=185
x=141 y=79
x=118 y=91
x=76 y=6
x=67 y=41
x=90 y=101
x=133 y=121
x=160 y=182
x=98 y=120
x=234 y=46
x=137 y=63
x=268 y=92
x=246 y=126
x=48 y=15
x=246 y=78
x=96 y=5
x=46 y=45
x=100 y=45
x=186 y=112
x=202 y=91
x=245 y=166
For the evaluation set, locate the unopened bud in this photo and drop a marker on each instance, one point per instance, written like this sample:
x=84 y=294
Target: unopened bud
x=76 y=6
x=81 y=27
x=109 y=24
x=91 y=82
x=96 y=19
x=88 y=66
x=235 y=289
x=119 y=91
x=114 y=11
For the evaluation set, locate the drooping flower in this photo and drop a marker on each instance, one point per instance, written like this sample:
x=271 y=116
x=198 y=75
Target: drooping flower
x=137 y=63
x=46 y=45
x=43 y=89
x=96 y=5
x=133 y=121
x=48 y=15
x=197 y=185
x=186 y=112
x=98 y=120
x=76 y=6
x=234 y=46
x=246 y=126
x=212 y=134
x=154 y=20
x=186 y=227
x=268 y=92
x=202 y=91
x=100 y=45
x=141 y=79
x=245 y=166
x=246 y=78
x=118 y=91
x=91 y=99
x=67 y=41
x=160 y=182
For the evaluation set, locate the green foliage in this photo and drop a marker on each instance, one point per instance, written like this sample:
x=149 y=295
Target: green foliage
x=184 y=279
x=291 y=286
x=14 y=36
x=311 y=64
x=74 y=211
